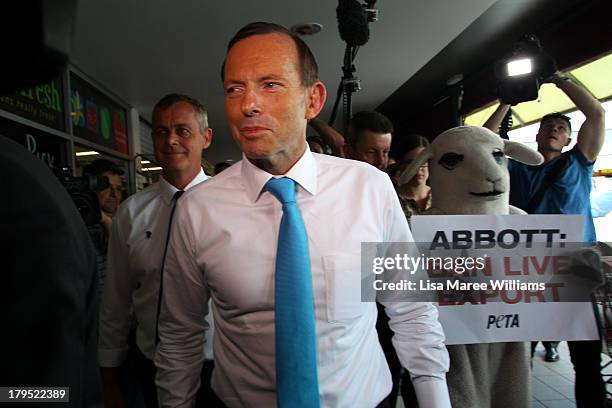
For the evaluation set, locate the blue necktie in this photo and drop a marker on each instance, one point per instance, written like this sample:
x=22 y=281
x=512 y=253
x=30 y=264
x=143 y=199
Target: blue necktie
x=297 y=383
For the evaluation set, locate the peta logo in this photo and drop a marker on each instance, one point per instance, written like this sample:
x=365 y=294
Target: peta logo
x=503 y=321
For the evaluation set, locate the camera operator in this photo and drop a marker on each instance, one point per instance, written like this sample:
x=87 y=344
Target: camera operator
x=109 y=199
x=534 y=190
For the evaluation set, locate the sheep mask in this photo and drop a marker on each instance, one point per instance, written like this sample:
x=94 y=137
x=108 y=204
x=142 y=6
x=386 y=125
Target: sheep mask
x=468 y=171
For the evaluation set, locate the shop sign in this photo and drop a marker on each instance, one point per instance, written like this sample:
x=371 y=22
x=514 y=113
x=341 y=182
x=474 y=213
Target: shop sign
x=96 y=118
x=47 y=147
x=42 y=104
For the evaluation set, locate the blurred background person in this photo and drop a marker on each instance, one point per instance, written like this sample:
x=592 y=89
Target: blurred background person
x=415 y=195
x=109 y=199
x=369 y=139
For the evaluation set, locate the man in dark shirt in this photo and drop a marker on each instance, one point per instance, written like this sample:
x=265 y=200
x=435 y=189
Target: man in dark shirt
x=568 y=194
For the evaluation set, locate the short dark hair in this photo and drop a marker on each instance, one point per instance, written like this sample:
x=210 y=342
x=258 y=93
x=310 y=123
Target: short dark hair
x=367 y=120
x=309 y=70
x=100 y=166
x=557 y=115
x=408 y=142
x=171 y=99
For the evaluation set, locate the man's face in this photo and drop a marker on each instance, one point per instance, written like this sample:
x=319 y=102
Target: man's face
x=110 y=197
x=178 y=139
x=372 y=148
x=266 y=104
x=553 y=135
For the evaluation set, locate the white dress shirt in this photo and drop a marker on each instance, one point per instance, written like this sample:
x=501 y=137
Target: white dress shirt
x=223 y=245
x=135 y=252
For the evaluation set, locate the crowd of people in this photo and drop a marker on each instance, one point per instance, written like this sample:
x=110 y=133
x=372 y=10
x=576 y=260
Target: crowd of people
x=207 y=304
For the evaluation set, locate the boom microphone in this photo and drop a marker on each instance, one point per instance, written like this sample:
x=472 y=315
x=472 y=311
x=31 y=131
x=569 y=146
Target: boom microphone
x=352 y=22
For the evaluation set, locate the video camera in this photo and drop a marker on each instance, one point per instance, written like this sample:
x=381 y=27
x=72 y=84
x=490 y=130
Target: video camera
x=83 y=191
x=523 y=71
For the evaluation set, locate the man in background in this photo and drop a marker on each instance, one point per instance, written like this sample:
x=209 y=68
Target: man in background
x=369 y=139
x=138 y=243
x=535 y=191
x=108 y=199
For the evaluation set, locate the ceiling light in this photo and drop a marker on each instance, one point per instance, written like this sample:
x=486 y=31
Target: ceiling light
x=307 y=28
x=87 y=153
x=151 y=168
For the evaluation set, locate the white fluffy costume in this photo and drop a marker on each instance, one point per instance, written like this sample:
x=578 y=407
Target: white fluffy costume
x=469 y=175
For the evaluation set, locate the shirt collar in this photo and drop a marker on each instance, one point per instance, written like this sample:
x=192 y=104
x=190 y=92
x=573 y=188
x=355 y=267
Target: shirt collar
x=303 y=172
x=167 y=190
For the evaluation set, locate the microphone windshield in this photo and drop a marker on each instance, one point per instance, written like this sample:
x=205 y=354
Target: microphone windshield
x=352 y=22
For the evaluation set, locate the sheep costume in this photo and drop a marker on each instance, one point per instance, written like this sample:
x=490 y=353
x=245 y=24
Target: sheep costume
x=468 y=174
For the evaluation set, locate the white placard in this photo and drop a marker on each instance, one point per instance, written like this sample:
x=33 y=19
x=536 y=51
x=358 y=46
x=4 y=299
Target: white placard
x=491 y=322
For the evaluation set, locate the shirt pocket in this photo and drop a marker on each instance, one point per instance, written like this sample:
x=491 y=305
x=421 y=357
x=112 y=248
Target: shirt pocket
x=343 y=287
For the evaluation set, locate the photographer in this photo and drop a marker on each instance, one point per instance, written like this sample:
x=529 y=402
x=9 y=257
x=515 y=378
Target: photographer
x=562 y=185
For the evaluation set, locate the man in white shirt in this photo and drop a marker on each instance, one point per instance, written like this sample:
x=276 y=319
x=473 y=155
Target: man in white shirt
x=138 y=243
x=224 y=246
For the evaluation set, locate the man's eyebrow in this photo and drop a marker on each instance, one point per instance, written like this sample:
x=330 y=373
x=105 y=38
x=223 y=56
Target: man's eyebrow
x=232 y=81
x=270 y=77
x=260 y=79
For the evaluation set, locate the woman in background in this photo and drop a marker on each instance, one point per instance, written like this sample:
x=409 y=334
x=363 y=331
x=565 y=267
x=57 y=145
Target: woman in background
x=414 y=196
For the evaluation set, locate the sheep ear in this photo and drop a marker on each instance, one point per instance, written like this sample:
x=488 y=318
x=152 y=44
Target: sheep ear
x=413 y=167
x=522 y=153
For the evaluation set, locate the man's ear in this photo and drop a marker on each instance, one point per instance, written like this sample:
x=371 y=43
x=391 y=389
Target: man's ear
x=315 y=99
x=207 y=135
x=569 y=140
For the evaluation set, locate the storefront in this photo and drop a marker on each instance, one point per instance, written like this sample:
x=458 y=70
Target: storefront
x=69 y=122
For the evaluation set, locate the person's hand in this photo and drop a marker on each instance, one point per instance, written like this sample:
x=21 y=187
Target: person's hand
x=557 y=78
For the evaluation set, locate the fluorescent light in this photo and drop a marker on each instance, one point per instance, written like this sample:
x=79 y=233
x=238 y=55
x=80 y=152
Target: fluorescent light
x=151 y=168
x=519 y=67
x=88 y=153
x=145 y=162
